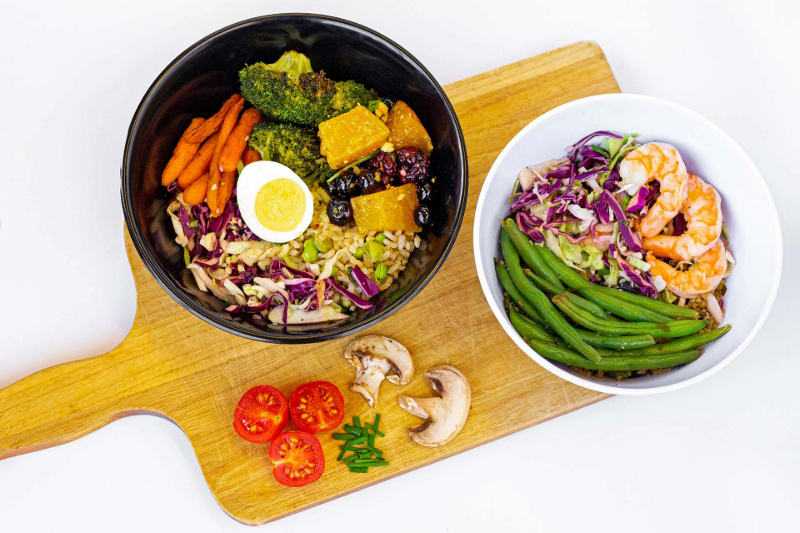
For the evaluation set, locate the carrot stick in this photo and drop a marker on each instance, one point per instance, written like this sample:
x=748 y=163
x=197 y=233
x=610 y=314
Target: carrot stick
x=196 y=192
x=224 y=132
x=181 y=155
x=199 y=163
x=226 y=184
x=210 y=126
x=250 y=156
x=237 y=142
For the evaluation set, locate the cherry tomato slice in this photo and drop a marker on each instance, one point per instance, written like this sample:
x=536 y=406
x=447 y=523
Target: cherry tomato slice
x=316 y=406
x=297 y=458
x=261 y=414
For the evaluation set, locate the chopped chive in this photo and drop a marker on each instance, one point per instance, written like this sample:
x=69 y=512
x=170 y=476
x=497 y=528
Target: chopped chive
x=353 y=442
x=341 y=455
x=349 y=459
x=370 y=464
x=343 y=436
x=377 y=421
x=378 y=433
x=358 y=470
x=375 y=450
x=371 y=439
x=357 y=422
x=352 y=429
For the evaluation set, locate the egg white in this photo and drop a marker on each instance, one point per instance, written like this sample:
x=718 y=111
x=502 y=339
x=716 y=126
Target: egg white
x=253 y=177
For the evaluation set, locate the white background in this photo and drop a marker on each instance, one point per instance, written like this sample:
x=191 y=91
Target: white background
x=719 y=456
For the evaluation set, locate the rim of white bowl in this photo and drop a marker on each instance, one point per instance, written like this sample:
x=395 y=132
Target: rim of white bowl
x=545 y=363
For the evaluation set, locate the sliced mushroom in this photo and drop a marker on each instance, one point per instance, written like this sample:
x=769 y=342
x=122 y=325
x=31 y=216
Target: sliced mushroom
x=445 y=414
x=377 y=358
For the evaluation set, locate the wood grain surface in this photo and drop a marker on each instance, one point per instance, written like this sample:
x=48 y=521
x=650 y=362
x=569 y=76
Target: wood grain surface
x=177 y=366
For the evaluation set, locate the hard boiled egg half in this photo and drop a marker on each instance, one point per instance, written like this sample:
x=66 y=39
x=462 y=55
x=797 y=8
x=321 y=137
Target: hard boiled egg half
x=275 y=203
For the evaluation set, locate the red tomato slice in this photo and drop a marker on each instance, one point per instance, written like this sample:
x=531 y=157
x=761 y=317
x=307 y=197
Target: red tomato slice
x=261 y=414
x=297 y=458
x=316 y=406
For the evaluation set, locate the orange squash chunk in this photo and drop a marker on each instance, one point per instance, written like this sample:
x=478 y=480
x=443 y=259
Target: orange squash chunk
x=389 y=210
x=406 y=130
x=351 y=136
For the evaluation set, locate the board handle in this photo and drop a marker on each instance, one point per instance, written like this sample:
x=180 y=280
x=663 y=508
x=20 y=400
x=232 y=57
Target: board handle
x=64 y=402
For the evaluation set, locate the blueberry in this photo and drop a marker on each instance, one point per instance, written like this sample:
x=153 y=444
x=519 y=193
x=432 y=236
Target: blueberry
x=422 y=216
x=425 y=192
x=368 y=184
x=340 y=212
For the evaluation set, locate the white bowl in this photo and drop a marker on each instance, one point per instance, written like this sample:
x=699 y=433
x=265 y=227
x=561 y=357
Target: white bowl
x=748 y=207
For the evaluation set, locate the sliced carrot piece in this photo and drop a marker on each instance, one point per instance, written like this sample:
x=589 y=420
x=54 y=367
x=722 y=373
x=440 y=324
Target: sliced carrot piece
x=237 y=142
x=226 y=184
x=199 y=163
x=181 y=155
x=196 y=192
x=224 y=132
x=210 y=126
x=250 y=156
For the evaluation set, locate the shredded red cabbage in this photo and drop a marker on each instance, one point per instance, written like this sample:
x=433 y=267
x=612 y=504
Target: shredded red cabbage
x=631 y=238
x=572 y=151
x=368 y=287
x=644 y=286
x=528 y=224
x=357 y=301
x=183 y=216
x=679 y=224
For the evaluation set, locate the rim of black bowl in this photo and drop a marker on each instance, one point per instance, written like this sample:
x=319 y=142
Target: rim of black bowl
x=231 y=326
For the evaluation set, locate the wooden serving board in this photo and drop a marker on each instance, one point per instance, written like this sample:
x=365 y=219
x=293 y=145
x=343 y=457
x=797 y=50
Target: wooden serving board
x=176 y=366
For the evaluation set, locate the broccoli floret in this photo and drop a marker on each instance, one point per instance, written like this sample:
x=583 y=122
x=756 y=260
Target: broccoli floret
x=289 y=91
x=350 y=93
x=292 y=63
x=294 y=146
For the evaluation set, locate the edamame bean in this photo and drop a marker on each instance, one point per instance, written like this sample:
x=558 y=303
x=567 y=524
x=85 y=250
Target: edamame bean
x=381 y=271
x=310 y=252
x=374 y=250
x=323 y=245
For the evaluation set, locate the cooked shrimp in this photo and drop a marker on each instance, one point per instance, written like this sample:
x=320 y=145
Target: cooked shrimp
x=663 y=163
x=703 y=276
x=703 y=225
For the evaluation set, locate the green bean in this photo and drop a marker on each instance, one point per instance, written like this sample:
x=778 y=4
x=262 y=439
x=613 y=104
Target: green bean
x=676 y=328
x=513 y=293
x=542 y=303
x=661 y=307
x=691 y=342
x=543 y=284
x=613 y=364
x=621 y=308
x=574 y=280
x=530 y=255
x=586 y=305
x=591 y=338
x=527 y=328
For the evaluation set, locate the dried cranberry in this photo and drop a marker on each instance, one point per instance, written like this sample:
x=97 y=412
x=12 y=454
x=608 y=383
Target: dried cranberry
x=412 y=165
x=384 y=162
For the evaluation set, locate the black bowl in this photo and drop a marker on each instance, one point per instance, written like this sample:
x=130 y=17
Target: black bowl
x=203 y=76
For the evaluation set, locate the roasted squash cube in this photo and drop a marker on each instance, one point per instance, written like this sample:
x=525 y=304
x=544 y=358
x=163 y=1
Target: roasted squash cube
x=351 y=136
x=406 y=130
x=389 y=210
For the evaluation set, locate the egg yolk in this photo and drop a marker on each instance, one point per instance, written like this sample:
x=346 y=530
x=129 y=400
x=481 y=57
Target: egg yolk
x=280 y=205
